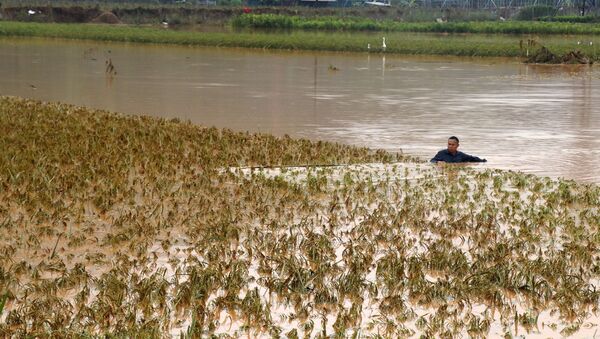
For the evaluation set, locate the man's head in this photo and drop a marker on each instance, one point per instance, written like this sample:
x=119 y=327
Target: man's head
x=453 y=145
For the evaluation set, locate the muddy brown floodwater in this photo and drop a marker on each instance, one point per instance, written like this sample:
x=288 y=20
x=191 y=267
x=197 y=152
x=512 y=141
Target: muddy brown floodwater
x=537 y=119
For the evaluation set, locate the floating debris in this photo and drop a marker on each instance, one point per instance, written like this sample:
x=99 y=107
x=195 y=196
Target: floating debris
x=544 y=56
x=110 y=68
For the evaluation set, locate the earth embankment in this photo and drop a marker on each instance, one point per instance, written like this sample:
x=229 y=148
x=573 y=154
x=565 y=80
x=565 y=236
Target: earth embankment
x=177 y=15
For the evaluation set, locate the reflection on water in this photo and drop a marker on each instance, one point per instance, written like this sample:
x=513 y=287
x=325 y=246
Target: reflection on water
x=539 y=119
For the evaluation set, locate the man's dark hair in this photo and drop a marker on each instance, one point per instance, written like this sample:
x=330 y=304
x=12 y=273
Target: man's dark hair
x=454 y=138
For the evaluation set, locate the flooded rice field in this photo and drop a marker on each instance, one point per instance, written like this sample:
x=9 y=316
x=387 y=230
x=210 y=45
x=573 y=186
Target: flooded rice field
x=149 y=227
x=537 y=119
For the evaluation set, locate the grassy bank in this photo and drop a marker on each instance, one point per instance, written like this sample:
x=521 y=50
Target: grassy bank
x=402 y=43
x=142 y=229
x=364 y=24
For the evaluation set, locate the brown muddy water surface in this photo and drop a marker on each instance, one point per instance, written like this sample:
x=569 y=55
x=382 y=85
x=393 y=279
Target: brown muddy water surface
x=536 y=119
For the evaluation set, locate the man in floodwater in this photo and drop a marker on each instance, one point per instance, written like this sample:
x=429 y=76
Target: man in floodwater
x=452 y=155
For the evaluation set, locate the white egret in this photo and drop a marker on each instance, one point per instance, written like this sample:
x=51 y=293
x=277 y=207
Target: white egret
x=383 y=45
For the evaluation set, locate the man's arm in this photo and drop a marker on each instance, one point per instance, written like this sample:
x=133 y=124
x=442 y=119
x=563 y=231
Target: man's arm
x=471 y=158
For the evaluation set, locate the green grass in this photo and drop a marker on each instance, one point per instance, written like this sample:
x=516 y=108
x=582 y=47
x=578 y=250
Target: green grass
x=363 y=24
x=397 y=42
x=588 y=19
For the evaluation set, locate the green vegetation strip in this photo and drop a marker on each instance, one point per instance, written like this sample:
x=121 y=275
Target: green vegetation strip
x=591 y=19
x=401 y=43
x=135 y=227
x=363 y=24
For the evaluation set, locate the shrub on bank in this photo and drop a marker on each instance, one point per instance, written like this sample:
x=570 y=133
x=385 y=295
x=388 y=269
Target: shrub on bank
x=534 y=12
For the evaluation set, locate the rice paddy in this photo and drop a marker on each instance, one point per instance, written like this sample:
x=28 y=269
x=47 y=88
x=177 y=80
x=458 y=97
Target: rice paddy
x=134 y=226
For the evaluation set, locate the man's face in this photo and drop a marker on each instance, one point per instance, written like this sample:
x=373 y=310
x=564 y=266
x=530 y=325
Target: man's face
x=452 y=146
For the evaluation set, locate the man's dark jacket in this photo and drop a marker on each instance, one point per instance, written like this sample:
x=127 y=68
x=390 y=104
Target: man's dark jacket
x=444 y=155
